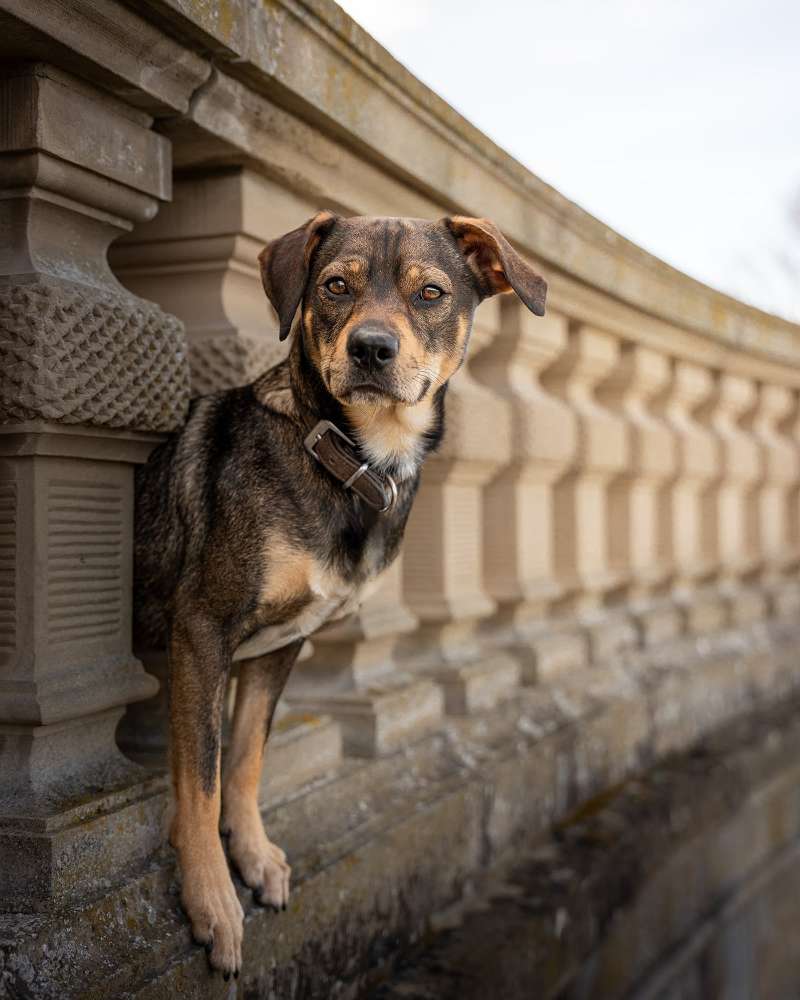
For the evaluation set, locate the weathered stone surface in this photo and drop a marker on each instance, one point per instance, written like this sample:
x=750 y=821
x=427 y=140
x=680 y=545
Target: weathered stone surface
x=609 y=633
x=392 y=840
x=557 y=648
x=302 y=748
x=657 y=621
x=680 y=883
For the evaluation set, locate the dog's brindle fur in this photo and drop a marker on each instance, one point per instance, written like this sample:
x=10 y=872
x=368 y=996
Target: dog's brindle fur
x=240 y=530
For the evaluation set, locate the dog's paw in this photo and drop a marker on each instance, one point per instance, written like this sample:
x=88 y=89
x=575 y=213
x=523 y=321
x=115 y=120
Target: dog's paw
x=214 y=911
x=261 y=863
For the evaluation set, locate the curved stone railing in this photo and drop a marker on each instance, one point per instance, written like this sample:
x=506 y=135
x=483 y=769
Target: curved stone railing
x=619 y=479
x=621 y=472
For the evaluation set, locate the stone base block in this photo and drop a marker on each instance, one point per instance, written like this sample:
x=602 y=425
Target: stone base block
x=704 y=611
x=54 y=852
x=380 y=718
x=746 y=605
x=556 y=652
x=609 y=634
x=475 y=687
x=302 y=748
x=784 y=599
x=658 y=622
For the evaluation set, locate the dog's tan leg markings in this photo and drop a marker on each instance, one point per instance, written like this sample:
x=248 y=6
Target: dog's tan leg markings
x=261 y=863
x=197 y=687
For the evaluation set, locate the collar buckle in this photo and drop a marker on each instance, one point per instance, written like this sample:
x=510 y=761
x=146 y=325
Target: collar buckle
x=318 y=431
x=315 y=435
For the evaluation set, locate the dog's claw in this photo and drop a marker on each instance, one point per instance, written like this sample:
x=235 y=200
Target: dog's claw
x=261 y=864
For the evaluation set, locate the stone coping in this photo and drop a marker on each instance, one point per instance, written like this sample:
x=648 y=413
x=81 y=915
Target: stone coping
x=319 y=55
x=387 y=843
x=206 y=62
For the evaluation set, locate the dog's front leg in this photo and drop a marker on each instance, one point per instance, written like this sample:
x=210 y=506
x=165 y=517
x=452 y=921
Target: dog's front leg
x=261 y=863
x=199 y=666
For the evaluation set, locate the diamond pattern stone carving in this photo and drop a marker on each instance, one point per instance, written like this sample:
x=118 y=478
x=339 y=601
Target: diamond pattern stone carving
x=77 y=354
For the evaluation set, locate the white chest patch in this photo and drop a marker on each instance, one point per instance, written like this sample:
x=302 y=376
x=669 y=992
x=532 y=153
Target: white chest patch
x=333 y=599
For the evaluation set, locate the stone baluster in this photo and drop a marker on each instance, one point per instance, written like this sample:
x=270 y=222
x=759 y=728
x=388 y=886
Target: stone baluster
x=199 y=260
x=640 y=549
x=737 y=498
x=87 y=373
x=443 y=550
x=518 y=513
x=776 y=513
x=790 y=427
x=582 y=517
x=353 y=676
x=692 y=508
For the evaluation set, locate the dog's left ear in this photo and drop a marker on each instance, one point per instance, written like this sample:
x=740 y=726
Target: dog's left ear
x=495 y=263
x=285 y=263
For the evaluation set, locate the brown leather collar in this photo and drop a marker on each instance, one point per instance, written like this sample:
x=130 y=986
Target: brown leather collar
x=337 y=453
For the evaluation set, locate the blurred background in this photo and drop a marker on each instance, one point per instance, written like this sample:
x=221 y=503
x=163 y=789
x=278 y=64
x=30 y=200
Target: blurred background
x=677 y=123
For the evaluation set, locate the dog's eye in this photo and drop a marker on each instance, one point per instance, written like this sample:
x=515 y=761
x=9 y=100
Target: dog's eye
x=336 y=286
x=431 y=292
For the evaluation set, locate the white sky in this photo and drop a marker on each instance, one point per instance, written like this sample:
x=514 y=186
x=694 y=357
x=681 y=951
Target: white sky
x=675 y=122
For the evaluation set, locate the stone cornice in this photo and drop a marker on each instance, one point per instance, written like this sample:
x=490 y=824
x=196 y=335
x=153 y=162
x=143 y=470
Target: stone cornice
x=310 y=59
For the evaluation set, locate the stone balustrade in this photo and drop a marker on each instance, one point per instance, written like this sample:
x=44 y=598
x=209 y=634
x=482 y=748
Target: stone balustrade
x=618 y=478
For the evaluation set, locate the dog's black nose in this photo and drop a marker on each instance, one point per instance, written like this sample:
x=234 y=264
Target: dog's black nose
x=372 y=349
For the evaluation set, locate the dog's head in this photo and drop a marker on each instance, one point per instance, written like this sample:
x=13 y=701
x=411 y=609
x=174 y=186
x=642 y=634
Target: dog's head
x=387 y=303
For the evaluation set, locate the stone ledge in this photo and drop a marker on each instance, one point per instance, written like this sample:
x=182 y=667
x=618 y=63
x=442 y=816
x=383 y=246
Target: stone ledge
x=641 y=891
x=388 y=842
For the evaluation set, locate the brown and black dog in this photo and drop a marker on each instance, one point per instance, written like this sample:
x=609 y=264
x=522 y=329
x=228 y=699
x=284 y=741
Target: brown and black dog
x=280 y=501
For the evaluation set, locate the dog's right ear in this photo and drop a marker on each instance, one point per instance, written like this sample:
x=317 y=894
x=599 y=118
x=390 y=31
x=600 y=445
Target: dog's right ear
x=285 y=263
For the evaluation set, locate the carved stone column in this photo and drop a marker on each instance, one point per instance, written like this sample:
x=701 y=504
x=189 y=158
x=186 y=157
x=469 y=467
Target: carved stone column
x=518 y=514
x=199 y=259
x=737 y=510
x=693 y=502
x=638 y=543
x=85 y=368
x=772 y=426
x=443 y=551
x=583 y=550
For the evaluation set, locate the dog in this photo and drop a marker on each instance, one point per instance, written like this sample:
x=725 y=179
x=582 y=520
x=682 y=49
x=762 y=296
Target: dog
x=280 y=502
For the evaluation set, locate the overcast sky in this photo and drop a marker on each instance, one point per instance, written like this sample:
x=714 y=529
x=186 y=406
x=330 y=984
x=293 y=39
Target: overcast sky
x=677 y=122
